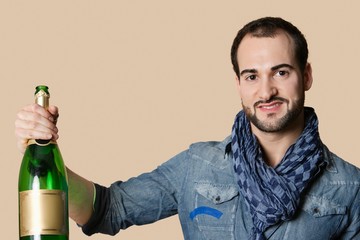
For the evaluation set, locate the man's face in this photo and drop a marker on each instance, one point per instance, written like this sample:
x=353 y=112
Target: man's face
x=271 y=85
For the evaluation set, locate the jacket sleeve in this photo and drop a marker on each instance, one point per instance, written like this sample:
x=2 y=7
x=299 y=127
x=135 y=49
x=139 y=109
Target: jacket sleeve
x=140 y=200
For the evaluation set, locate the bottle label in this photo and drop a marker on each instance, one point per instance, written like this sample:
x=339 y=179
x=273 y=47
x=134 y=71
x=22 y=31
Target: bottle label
x=43 y=212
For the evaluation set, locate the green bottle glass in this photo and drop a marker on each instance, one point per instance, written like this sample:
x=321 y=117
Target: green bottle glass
x=43 y=188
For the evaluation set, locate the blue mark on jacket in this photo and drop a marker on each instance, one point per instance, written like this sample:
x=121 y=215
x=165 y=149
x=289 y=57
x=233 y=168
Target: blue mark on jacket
x=207 y=211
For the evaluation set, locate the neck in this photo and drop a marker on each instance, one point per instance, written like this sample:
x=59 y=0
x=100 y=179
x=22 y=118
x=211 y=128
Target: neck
x=275 y=144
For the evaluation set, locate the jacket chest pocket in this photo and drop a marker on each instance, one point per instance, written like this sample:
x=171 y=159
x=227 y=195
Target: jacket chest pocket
x=319 y=219
x=215 y=209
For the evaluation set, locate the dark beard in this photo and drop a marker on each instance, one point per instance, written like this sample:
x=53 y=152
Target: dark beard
x=282 y=123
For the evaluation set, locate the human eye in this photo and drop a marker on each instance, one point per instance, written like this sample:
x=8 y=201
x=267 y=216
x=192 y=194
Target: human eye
x=251 y=77
x=281 y=73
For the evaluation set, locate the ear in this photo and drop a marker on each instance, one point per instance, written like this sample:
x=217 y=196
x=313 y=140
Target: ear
x=308 y=78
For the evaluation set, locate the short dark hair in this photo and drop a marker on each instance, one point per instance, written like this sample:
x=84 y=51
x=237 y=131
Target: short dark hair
x=269 y=27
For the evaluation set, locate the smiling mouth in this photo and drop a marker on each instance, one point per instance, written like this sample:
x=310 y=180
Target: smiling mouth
x=270 y=106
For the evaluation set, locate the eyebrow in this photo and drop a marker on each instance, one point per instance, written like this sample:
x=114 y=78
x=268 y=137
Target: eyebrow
x=282 y=66
x=248 y=71
x=253 y=70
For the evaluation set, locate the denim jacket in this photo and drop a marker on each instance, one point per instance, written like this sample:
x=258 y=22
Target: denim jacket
x=199 y=185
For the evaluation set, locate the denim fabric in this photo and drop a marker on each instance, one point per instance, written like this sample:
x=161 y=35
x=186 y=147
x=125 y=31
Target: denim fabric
x=199 y=185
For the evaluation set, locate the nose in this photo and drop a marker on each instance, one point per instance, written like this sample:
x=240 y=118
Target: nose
x=267 y=89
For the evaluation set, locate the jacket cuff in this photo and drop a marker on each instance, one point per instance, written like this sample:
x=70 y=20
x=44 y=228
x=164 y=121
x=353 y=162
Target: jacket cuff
x=101 y=203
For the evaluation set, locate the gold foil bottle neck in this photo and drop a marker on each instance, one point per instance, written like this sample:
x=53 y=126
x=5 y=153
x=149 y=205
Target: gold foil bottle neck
x=42 y=98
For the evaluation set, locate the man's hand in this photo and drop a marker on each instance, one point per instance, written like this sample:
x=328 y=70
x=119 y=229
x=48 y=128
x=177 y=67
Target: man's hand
x=35 y=122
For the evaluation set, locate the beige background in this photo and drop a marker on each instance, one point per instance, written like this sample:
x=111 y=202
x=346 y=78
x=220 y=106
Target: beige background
x=138 y=81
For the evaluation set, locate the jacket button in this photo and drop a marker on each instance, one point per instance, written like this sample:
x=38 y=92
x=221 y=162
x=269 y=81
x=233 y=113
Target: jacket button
x=316 y=210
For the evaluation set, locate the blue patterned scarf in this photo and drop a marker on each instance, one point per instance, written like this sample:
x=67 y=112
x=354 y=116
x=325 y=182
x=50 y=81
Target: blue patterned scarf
x=273 y=194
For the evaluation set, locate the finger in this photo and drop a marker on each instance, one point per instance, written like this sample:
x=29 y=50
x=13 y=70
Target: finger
x=33 y=116
x=54 y=111
x=25 y=130
x=34 y=122
x=37 y=109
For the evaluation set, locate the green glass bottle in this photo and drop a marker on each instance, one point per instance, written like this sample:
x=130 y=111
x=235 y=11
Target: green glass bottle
x=43 y=188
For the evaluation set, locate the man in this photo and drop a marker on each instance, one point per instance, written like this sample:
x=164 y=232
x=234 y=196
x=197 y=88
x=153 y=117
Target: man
x=272 y=178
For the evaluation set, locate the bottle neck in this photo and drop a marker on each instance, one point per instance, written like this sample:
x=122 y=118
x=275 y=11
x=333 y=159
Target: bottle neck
x=41 y=142
x=42 y=99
